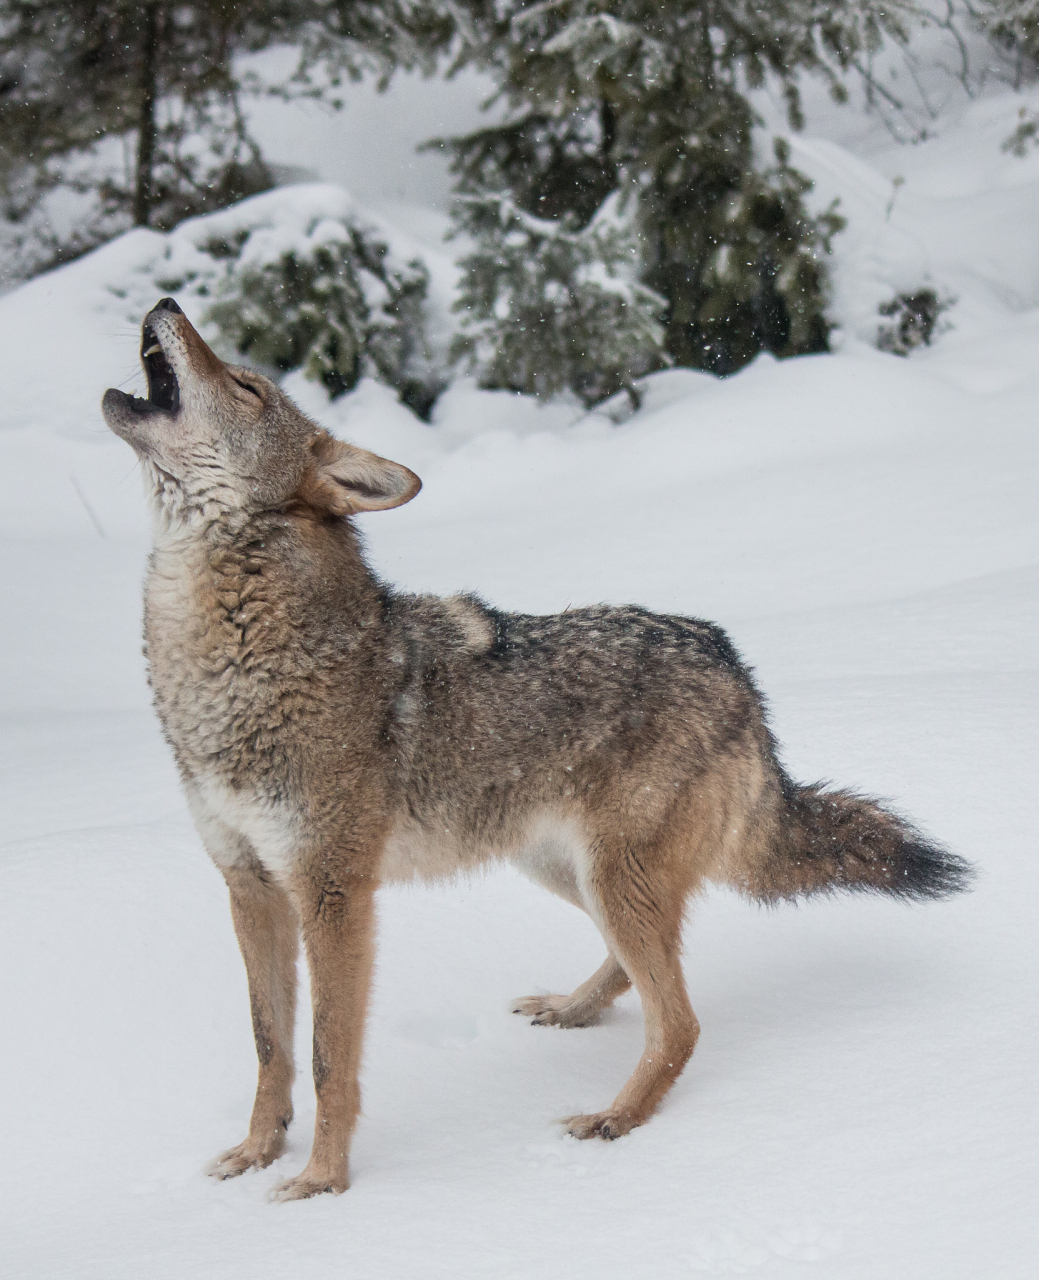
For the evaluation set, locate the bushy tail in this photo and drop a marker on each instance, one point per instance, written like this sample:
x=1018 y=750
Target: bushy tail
x=831 y=840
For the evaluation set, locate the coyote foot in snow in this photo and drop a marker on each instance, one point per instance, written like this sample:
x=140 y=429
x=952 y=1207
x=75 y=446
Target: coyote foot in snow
x=606 y=1124
x=305 y=1185
x=554 y=1011
x=253 y=1153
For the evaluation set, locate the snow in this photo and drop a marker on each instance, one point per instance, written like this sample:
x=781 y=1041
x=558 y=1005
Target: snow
x=862 y=1099
x=372 y=144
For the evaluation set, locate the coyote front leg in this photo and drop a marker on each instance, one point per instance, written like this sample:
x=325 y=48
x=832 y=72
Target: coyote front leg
x=337 y=917
x=265 y=922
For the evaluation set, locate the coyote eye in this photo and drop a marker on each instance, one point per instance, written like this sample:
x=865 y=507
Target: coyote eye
x=246 y=387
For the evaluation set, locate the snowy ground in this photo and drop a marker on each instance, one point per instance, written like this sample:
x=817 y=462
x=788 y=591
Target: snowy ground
x=862 y=1102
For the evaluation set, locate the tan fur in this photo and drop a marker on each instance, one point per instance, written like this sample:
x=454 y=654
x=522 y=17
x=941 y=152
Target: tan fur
x=334 y=735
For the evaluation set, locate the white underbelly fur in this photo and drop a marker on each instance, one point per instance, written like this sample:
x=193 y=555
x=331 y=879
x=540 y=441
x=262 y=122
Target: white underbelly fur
x=551 y=848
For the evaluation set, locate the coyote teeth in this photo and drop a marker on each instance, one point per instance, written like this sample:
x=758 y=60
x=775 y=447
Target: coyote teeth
x=154 y=349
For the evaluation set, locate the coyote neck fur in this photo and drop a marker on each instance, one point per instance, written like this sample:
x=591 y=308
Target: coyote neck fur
x=234 y=635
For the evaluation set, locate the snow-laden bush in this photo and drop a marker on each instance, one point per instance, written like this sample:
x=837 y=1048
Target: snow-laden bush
x=915 y=321
x=332 y=302
x=550 y=307
x=301 y=279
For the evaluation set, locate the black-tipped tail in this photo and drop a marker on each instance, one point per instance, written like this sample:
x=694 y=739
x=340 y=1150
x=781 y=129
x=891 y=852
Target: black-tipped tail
x=833 y=840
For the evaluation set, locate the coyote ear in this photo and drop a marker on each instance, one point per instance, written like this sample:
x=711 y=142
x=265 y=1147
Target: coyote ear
x=345 y=479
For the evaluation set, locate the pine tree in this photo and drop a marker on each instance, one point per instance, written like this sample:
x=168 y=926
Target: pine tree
x=76 y=72
x=649 y=101
x=550 y=306
x=1013 y=27
x=137 y=106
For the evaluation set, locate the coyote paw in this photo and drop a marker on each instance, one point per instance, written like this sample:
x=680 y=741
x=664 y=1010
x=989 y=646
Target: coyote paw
x=253 y=1153
x=607 y=1124
x=552 y=1011
x=307 y=1184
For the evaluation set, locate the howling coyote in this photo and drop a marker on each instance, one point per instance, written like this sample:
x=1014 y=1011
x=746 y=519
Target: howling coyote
x=334 y=735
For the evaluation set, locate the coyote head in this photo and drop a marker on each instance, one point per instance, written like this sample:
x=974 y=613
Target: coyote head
x=216 y=439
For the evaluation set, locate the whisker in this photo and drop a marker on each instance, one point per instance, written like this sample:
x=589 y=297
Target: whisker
x=136 y=467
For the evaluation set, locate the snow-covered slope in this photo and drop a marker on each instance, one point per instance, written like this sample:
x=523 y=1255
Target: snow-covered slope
x=862 y=1100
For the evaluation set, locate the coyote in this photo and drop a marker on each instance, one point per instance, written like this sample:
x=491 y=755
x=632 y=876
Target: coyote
x=334 y=735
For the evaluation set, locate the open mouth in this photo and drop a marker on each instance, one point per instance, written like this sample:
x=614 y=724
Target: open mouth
x=163 y=388
x=163 y=397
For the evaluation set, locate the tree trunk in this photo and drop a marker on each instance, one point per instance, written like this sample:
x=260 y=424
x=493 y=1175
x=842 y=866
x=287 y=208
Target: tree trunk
x=147 y=88
x=608 y=130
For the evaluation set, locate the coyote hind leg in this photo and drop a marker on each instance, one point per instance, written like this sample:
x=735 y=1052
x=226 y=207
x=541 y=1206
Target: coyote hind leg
x=582 y=1007
x=641 y=917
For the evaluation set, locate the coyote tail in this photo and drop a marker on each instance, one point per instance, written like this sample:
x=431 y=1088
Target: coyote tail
x=833 y=840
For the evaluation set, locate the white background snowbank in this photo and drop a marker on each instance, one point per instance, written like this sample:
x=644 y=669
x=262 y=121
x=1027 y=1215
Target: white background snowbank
x=862 y=1100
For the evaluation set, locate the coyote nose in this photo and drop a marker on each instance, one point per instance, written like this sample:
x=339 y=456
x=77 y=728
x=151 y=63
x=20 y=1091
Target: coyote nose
x=167 y=304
